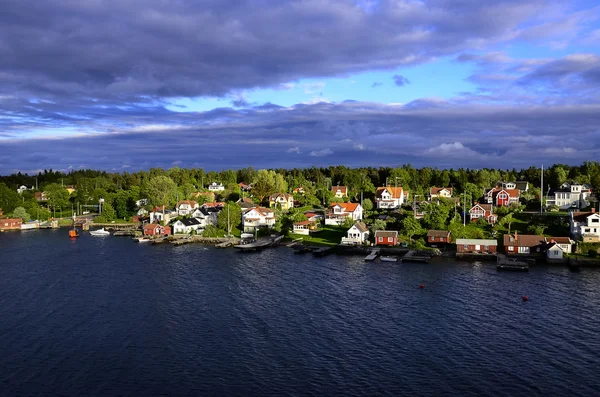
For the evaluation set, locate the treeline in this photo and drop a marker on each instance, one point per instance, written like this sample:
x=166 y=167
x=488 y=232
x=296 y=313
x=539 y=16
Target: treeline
x=121 y=190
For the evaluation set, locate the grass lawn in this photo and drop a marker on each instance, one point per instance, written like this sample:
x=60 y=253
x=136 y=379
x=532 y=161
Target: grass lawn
x=328 y=235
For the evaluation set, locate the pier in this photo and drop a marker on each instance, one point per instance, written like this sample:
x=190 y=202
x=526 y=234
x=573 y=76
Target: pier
x=417 y=256
x=506 y=263
x=371 y=257
x=259 y=244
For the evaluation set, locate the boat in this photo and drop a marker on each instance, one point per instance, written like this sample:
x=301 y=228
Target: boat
x=73 y=233
x=388 y=259
x=143 y=240
x=100 y=232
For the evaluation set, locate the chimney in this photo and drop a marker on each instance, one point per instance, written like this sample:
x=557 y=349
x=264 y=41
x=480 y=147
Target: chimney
x=516 y=235
x=593 y=210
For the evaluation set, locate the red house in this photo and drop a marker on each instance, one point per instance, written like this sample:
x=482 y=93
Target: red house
x=386 y=237
x=155 y=229
x=438 y=236
x=507 y=196
x=10 y=224
x=484 y=211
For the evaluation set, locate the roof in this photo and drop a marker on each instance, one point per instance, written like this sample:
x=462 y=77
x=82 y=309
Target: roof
x=286 y=196
x=475 y=241
x=348 y=207
x=560 y=240
x=213 y=204
x=191 y=203
x=438 y=233
x=485 y=207
x=190 y=221
x=582 y=216
x=342 y=189
x=151 y=226
x=522 y=185
x=396 y=192
x=361 y=226
x=386 y=233
x=304 y=223
x=523 y=240
x=261 y=210
x=513 y=192
x=437 y=190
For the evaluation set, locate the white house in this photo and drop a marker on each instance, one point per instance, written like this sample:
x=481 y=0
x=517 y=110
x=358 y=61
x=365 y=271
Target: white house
x=570 y=195
x=161 y=214
x=338 y=212
x=357 y=234
x=564 y=243
x=445 y=192
x=554 y=252
x=141 y=202
x=339 y=191
x=185 y=207
x=257 y=217
x=216 y=187
x=304 y=227
x=206 y=216
x=185 y=226
x=585 y=225
x=389 y=197
x=23 y=188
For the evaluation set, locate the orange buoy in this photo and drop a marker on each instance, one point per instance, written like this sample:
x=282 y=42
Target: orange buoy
x=525 y=298
x=73 y=233
x=422 y=286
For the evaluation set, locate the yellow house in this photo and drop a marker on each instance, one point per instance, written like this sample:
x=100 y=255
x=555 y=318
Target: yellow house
x=284 y=200
x=70 y=188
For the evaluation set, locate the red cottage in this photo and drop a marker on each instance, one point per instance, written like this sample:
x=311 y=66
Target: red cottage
x=10 y=224
x=154 y=229
x=438 y=236
x=386 y=237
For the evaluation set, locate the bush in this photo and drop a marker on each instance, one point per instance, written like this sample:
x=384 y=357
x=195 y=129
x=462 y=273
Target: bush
x=592 y=253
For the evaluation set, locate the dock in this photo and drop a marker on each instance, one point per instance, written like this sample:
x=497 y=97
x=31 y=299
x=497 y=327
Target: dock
x=506 y=263
x=416 y=257
x=322 y=251
x=371 y=257
x=259 y=244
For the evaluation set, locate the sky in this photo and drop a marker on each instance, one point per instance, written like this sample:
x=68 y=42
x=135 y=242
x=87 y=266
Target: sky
x=126 y=85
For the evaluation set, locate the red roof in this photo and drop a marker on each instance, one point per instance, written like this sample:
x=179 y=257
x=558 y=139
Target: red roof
x=191 y=203
x=395 y=191
x=303 y=223
x=342 y=189
x=437 y=190
x=151 y=226
x=348 y=207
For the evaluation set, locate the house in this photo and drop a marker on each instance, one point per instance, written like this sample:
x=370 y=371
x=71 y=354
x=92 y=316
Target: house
x=565 y=243
x=304 y=227
x=357 y=234
x=141 y=212
x=389 y=197
x=506 y=197
x=386 y=237
x=161 y=214
x=484 y=211
x=155 y=229
x=522 y=186
x=10 y=224
x=298 y=190
x=24 y=188
x=70 y=188
x=208 y=196
x=185 y=226
x=216 y=187
x=40 y=196
x=340 y=191
x=585 y=226
x=245 y=203
x=438 y=236
x=141 y=202
x=445 y=192
x=570 y=195
x=244 y=187
x=476 y=246
x=314 y=216
x=554 y=252
x=523 y=244
x=257 y=217
x=185 y=207
x=285 y=201
x=214 y=204
x=338 y=212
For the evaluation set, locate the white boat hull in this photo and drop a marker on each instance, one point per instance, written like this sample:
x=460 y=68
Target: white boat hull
x=100 y=233
x=388 y=259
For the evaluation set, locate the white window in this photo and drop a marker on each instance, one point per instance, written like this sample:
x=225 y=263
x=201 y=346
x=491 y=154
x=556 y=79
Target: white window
x=465 y=247
x=380 y=239
x=389 y=239
x=511 y=248
x=523 y=250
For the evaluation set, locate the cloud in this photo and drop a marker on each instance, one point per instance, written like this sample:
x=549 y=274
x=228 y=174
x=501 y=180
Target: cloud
x=376 y=84
x=294 y=149
x=400 y=81
x=313 y=88
x=321 y=153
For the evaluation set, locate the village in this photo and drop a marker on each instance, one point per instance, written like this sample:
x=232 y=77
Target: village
x=496 y=224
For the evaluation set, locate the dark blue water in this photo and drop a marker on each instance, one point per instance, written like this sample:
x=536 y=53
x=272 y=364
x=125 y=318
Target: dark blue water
x=111 y=317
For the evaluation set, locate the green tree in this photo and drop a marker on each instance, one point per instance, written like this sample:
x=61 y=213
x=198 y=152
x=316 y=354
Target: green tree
x=379 y=224
x=20 y=212
x=411 y=226
x=367 y=204
x=108 y=212
x=235 y=217
x=9 y=198
x=161 y=190
x=57 y=195
x=507 y=221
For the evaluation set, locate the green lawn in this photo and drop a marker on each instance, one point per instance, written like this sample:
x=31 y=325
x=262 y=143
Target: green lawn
x=328 y=235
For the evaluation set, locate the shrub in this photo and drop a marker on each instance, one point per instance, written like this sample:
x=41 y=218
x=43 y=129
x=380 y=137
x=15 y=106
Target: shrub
x=592 y=253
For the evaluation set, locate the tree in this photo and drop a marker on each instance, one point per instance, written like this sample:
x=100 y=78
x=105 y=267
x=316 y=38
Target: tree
x=9 y=198
x=20 y=212
x=411 y=226
x=57 y=195
x=108 y=212
x=536 y=229
x=235 y=216
x=436 y=214
x=507 y=221
x=161 y=190
x=379 y=224
x=367 y=204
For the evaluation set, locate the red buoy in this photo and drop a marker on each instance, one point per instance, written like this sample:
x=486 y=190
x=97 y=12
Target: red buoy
x=525 y=298
x=422 y=286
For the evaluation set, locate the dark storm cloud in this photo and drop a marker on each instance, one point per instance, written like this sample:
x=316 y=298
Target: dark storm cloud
x=140 y=49
x=351 y=133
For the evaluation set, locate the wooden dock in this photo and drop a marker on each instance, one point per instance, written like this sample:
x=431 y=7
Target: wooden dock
x=371 y=257
x=416 y=257
x=259 y=244
x=506 y=263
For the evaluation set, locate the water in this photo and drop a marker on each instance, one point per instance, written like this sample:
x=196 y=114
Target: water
x=111 y=317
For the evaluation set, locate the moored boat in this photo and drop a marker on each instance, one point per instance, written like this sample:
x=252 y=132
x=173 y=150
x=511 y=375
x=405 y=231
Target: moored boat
x=100 y=232
x=388 y=259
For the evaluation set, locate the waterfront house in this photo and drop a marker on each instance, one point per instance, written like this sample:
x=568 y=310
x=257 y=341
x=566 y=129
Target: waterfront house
x=570 y=195
x=585 y=226
x=216 y=187
x=485 y=211
x=285 y=201
x=185 y=207
x=438 y=236
x=389 y=197
x=186 y=226
x=10 y=224
x=445 y=192
x=554 y=252
x=338 y=212
x=386 y=237
x=257 y=217
x=161 y=214
x=476 y=246
x=523 y=244
x=155 y=229
x=304 y=227
x=340 y=191
x=357 y=234
x=565 y=243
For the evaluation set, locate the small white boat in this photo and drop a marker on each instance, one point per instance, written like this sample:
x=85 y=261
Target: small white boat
x=100 y=232
x=388 y=259
x=143 y=240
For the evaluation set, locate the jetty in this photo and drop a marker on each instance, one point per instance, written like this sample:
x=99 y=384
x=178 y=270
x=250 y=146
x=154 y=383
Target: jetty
x=371 y=257
x=506 y=263
x=259 y=244
x=417 y=256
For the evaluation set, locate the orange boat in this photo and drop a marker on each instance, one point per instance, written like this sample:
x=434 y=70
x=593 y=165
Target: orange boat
x=73 y=233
